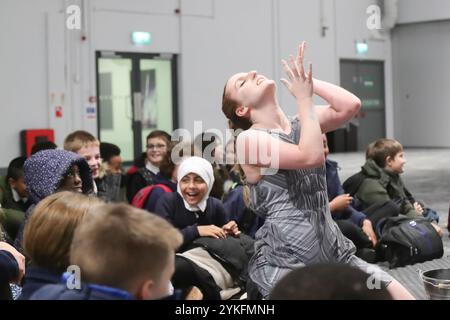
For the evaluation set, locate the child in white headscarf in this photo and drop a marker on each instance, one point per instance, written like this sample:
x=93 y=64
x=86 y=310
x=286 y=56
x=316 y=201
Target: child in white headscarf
x=196 y=215
x=191 y=209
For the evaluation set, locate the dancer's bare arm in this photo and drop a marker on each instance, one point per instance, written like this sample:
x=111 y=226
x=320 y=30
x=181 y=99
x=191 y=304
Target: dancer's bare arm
x=342 y=107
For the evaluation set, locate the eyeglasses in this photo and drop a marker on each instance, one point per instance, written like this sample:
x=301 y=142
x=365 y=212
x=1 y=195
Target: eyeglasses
x=156 y=146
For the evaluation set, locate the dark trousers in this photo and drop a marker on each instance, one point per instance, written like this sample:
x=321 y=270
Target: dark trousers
x=354 y=233
x=188 y=274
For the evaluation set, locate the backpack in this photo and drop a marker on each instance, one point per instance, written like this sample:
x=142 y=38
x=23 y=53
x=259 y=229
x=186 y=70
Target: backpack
x=140 y=199
x=407 y=241
x=352 y=184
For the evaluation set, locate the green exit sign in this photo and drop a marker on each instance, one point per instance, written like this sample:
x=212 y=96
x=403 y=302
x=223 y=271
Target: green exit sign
x=362 y=47
x=140 y=38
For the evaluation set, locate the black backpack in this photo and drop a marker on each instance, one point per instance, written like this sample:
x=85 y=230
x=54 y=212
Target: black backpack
x=352 y=184
x=406 y=241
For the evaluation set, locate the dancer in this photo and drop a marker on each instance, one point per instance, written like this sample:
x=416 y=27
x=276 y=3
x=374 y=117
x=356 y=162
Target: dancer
x=298 y=228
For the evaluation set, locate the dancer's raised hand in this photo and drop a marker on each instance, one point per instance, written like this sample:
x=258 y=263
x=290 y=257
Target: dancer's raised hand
x=300 y=85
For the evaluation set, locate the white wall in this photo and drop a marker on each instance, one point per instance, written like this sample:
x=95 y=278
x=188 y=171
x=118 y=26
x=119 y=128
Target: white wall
x=411 y=11
x=114 y=20
x=214 y=39
x=233 y=36
x=24 y=70
x=421 y=82
x=303 y=20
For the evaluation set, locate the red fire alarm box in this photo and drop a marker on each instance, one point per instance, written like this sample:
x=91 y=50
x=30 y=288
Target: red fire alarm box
x=29 y=137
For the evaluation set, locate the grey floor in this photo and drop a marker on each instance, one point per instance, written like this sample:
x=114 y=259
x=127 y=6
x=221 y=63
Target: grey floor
x=427 y=176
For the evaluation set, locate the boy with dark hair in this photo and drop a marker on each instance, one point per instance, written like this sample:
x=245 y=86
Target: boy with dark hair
x=15 y=197
x=112 y=180
x=110 y=154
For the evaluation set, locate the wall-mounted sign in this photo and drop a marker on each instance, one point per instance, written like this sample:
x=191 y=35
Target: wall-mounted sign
x=91 y=112
x=141 y=38
x=362 y=47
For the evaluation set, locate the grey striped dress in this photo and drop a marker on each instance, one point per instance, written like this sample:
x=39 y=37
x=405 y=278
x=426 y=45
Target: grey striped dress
x=298 y=228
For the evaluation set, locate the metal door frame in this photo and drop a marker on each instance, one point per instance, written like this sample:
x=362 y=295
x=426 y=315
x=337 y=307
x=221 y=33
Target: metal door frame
x=135 y=81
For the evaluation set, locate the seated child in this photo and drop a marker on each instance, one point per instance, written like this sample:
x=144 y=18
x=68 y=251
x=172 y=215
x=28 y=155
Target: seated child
x=50 y=171
x=111 y=170
x=164 y=181
x=191 y=209
x=198 y=216
x=123 y=253
x=110 y=154
x=143 y=172
x=87 y=146
x=382 y=183
x=48 y=235
x=15 y=200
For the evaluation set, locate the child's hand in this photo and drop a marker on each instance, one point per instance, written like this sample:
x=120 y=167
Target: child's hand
x=300 y=84
x=20 y=259
x=418 y=207
x=341 y=202
x=438 y=229
x=194 y=294
x=231 y=228
x=367 y=228
x=211 y=231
